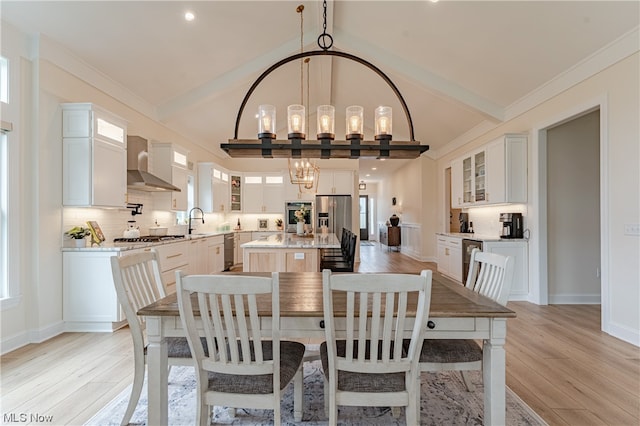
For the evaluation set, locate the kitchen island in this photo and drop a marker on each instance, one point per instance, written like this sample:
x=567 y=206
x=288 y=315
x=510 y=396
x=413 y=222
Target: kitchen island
x=286 y=252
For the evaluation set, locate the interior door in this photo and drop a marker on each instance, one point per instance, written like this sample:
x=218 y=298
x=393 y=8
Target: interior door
x=364 y=217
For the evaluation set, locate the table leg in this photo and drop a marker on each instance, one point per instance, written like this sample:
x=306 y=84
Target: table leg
x=157 y=372
x=493 y=368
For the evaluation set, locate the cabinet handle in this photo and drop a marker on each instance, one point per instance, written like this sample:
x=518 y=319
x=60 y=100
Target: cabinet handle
x=174 y=255
x=446 y=251
x=431 y=325
x=486 y=198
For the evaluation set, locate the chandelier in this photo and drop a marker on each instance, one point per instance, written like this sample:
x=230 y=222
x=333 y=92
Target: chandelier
x=297 y=146
x=305 y=174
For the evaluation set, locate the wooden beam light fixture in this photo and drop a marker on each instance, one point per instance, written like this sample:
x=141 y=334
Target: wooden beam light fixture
x=325 y=146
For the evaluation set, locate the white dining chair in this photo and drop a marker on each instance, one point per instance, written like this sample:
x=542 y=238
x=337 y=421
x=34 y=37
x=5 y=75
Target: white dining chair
x=245 y=366
x=367 y=365
x=490 y=275
x=138 y=284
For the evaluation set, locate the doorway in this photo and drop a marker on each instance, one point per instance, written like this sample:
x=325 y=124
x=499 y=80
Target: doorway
x=364 y=217
x=573 y=210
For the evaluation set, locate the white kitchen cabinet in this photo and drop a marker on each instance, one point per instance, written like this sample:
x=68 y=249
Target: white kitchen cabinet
x=170 y=162
x=94 y=159
x=198 y=256
x=90 y=302
x=172 y=257
x=339 y=182
x=263 y=193
x=215 y=254
x=507 y=169
x=213 y=188
x=239 y=239
x=519 y=251
x=456 y=183
x=450 y=256
x=494 y=174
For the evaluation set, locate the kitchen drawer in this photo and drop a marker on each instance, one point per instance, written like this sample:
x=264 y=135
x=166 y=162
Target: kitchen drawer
x=215 y=240
x=172 y=256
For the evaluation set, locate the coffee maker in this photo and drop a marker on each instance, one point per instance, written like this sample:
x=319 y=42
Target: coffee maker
x=512 y=226
x=464 y=222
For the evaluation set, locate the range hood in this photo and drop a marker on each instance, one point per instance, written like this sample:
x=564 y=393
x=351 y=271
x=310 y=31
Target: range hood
x=138 y=177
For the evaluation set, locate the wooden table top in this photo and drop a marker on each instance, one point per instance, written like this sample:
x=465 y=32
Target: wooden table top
x=301 y=296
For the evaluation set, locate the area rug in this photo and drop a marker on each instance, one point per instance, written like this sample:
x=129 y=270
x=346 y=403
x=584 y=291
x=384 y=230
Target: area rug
x=445 y=401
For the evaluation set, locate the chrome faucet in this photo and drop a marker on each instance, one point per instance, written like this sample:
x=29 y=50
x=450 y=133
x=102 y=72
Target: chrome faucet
x=201 y=218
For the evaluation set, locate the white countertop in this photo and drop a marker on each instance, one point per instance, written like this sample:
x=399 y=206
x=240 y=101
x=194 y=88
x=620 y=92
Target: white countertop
x=288 y=240
x=478 y=237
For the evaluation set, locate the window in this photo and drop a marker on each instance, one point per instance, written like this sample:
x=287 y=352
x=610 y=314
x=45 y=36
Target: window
x=4 y=175
x=9 y=176
x=4 y=80
x=4 y=178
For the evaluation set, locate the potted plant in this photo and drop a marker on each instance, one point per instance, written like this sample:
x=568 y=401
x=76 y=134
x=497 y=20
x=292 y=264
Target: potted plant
x=279 y=226
x=78 y=234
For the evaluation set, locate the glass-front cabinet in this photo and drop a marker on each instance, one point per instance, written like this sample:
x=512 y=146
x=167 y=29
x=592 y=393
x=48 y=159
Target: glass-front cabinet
x=473 y=179
x=493 y=174
x=236 y=193
x=479 y=176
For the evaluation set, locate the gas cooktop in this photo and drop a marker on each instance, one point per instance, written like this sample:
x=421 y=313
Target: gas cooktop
x=148 y=239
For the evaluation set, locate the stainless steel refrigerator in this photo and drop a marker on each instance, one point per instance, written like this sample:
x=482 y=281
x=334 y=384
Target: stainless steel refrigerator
x=333 y=211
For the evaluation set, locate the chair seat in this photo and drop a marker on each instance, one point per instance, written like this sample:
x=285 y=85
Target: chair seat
x=291 y=354
x=450 y=351
x=178 y=347
x=362 y=382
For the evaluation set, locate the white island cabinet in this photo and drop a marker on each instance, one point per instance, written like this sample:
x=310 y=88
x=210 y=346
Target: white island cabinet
x=94 y=158
x=285 y=252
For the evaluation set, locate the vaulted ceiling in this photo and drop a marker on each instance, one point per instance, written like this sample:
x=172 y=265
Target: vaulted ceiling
x=459 y=65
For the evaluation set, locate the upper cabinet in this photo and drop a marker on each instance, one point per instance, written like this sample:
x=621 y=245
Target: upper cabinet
x=94 y=160
x=213 y=188
x=170 y=162
x=494 y=174
x=339 y=182
x=263 y=193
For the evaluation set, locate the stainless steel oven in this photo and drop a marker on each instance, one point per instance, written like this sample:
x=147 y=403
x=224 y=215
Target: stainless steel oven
x=467 y=248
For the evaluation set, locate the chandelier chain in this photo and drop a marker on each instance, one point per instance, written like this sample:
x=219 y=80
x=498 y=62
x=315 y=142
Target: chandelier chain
x=325 y=41
x=300 y=10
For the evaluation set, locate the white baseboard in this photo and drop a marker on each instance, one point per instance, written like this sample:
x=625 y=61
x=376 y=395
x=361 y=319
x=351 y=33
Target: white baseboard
x=19 y=340
x=625 y=333
x=574 y=299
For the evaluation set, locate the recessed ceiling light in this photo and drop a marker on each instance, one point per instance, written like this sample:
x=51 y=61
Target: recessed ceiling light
x=367 y=175
x=374 y=168
x=189 y=16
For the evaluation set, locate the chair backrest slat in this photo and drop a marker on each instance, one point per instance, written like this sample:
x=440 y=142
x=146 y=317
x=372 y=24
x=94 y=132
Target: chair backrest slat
x=491 y=275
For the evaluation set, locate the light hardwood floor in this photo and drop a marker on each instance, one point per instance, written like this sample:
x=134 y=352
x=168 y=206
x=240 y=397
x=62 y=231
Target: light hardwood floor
x=558 y=362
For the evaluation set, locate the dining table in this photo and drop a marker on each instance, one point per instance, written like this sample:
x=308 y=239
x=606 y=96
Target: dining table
x=455 y=313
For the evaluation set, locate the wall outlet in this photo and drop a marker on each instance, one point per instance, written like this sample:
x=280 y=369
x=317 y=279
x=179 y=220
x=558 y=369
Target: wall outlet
x=632 y=229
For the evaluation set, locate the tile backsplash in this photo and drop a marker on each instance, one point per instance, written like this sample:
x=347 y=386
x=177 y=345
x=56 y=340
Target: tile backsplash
x=486 y=220
x=113 y=222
